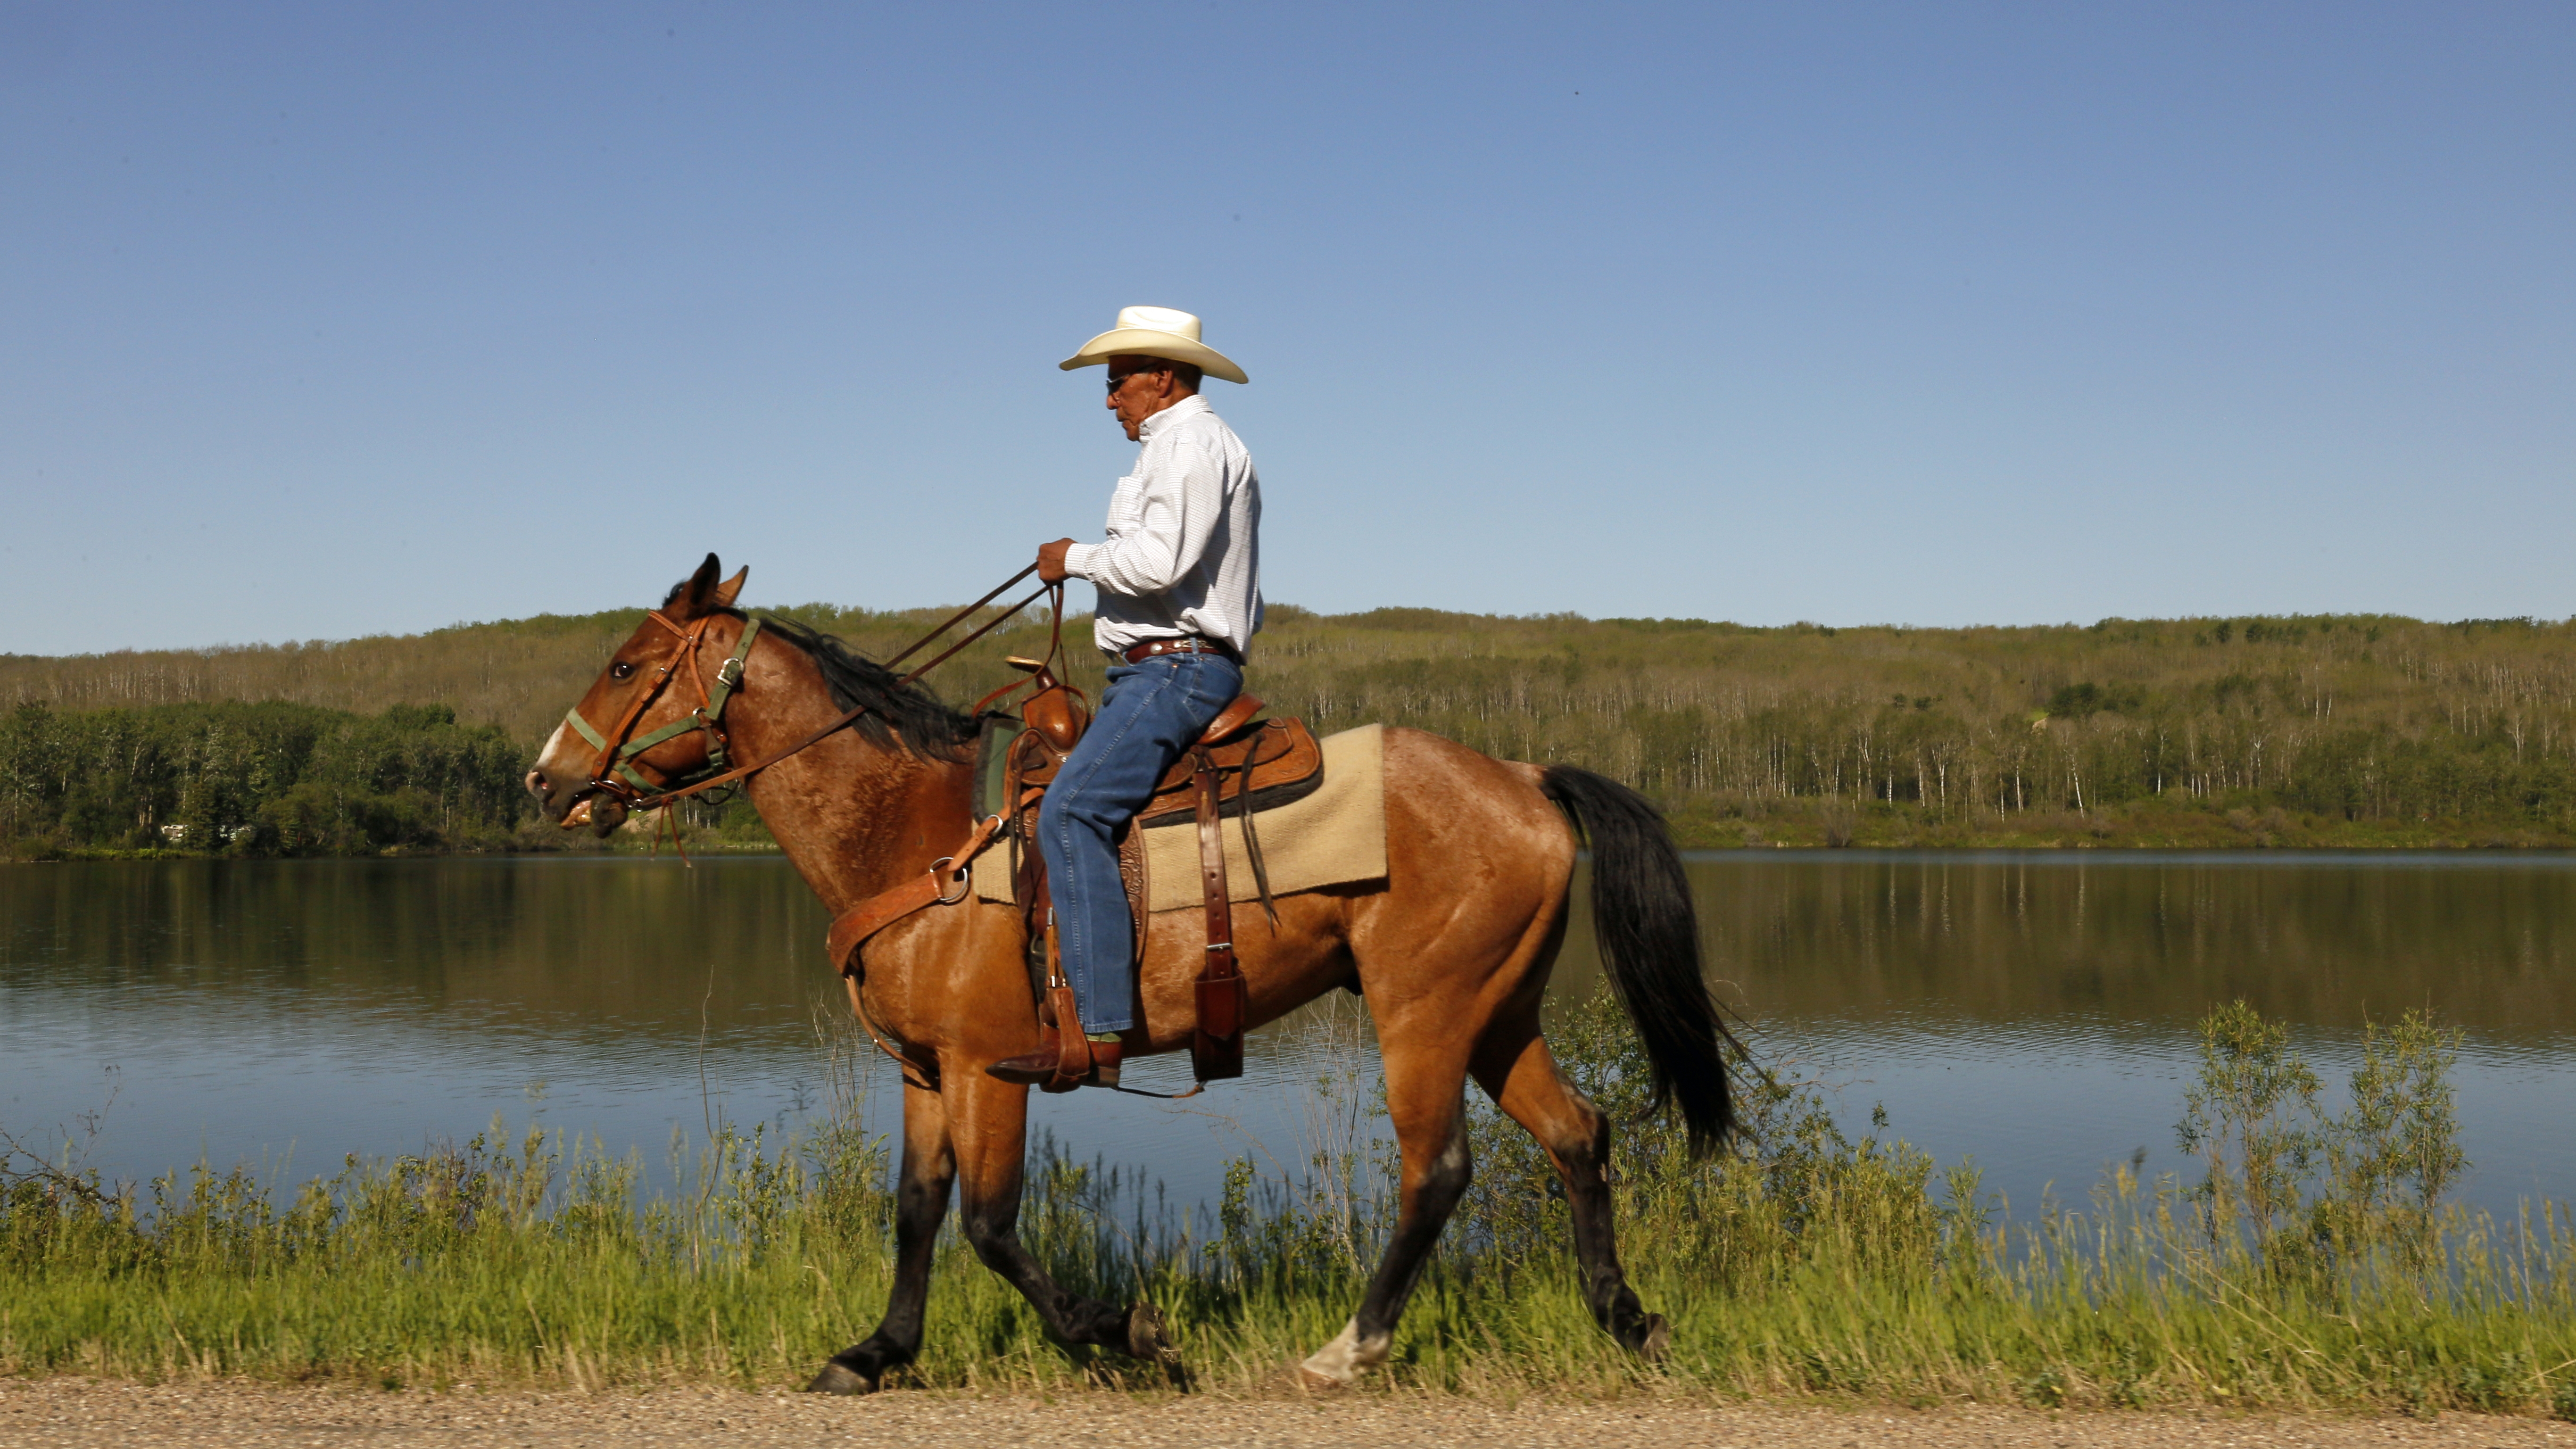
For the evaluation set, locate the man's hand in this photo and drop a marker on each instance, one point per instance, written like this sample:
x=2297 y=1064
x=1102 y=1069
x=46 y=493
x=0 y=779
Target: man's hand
x=1051 y=561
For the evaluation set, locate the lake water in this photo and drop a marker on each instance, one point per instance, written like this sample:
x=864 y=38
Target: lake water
x=2032 y=1010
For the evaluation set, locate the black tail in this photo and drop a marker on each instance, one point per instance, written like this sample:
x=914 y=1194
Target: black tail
x=1641 y=915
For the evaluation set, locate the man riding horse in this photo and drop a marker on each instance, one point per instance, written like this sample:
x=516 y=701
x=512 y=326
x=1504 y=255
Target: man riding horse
x=1179 y=581
x=869 y=785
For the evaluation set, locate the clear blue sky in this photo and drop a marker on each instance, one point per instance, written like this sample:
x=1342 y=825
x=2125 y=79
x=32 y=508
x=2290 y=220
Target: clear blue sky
x=335 y=319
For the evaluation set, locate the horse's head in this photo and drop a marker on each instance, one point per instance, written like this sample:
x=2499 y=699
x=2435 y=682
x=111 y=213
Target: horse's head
x=654 y=716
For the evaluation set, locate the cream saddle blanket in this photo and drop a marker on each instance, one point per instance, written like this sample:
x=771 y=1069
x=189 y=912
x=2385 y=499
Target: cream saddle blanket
x=1333 y=836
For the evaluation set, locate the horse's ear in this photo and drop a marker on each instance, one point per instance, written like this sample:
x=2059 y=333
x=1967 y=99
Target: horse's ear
x=731 y=589
x=696 y=594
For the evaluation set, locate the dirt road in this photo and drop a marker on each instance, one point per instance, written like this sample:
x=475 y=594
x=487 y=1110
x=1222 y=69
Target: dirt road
x=74 y=1414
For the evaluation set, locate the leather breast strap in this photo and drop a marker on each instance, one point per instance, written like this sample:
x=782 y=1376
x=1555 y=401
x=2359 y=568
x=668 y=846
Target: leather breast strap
x=939 y=886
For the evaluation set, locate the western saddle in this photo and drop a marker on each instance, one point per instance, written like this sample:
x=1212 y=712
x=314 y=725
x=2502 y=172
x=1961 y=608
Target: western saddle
x=1267 y=763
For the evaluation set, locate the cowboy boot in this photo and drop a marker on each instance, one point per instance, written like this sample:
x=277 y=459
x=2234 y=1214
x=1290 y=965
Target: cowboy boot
x=1046 y=1066
x=1066 y=1057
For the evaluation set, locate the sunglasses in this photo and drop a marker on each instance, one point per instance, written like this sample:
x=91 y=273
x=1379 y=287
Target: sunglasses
x=1119 y=379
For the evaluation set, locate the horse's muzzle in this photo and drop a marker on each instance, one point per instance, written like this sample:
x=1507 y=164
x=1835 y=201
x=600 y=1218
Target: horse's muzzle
x=599 y=814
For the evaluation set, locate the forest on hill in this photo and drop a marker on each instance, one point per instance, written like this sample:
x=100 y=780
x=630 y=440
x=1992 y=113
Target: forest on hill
x=271 y=777
x=2277 y=731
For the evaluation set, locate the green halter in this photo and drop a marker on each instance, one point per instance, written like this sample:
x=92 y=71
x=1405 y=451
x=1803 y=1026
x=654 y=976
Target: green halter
x=708 y=717
x=613 y=771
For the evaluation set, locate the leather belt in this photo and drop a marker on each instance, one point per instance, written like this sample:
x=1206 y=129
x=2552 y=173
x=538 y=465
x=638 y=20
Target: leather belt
x=1187 y=644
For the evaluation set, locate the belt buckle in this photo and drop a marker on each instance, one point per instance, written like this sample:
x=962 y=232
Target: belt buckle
x=1155 y=648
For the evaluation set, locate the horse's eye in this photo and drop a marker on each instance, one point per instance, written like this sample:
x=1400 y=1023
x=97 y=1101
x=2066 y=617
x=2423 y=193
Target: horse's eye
x=621 y=670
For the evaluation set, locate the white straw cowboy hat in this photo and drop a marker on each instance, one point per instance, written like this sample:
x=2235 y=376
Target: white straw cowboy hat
x=1156 y=332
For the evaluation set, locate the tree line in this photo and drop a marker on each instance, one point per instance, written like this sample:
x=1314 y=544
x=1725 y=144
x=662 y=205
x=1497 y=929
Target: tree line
x=266 y=778
x=2326 y=730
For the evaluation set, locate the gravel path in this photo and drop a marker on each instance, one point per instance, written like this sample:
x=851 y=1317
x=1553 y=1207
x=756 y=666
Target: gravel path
x=77 y=1414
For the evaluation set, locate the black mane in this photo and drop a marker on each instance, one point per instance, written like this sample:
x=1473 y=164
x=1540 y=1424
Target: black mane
x=898 y=714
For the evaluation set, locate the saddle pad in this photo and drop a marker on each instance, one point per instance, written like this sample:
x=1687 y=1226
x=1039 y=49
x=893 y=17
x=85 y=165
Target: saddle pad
x=1334 y=835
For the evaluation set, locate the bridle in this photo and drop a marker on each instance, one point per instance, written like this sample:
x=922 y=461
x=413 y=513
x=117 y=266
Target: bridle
x=617 y=770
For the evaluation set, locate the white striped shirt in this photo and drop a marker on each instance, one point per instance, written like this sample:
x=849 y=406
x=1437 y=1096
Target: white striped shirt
x=1183 y=554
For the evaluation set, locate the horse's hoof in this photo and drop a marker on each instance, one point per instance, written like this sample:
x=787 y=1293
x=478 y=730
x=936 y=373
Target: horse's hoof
x=840 y=1378
x=1656 y=1343
x=1316 y=1383
x=1149 y=1342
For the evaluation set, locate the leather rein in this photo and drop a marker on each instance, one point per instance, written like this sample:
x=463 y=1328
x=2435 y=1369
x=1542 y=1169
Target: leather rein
x=619 y=773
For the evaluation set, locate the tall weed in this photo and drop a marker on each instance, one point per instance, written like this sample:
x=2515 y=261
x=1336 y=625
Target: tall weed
x=2314 y=1262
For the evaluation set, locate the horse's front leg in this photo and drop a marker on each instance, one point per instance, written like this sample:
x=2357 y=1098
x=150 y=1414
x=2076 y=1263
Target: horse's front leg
x=991 y=1133
x=921 y=1200
x=1426 y=1098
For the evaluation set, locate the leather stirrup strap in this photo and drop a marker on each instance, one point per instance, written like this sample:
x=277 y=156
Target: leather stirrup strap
x=1216 y=1045
x=1073 y=1049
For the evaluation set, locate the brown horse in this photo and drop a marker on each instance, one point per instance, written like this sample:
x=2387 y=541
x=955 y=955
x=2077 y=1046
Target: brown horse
x=1451 y=950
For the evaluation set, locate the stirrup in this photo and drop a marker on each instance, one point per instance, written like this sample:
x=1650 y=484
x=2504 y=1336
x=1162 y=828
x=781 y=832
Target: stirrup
x=1044 y=1068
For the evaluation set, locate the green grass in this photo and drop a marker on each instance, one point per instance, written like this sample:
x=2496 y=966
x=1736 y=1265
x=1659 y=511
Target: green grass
x=2313 y=1264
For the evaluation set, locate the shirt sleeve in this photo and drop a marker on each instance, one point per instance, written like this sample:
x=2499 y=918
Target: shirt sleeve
x=1182 y=505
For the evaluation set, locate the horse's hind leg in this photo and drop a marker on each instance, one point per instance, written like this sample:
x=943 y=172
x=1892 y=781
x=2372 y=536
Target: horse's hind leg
x=1426 y=1097
x=991 y=1131
x=1516 y=1069
x=921 y=1200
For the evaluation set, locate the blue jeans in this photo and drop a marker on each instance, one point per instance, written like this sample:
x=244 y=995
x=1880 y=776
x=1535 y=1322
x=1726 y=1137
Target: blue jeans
x=1149 y=714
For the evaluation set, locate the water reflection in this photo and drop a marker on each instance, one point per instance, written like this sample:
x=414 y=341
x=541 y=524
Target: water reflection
x=2031 y=1010
x=2034 y=1010
x=2325 y=940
